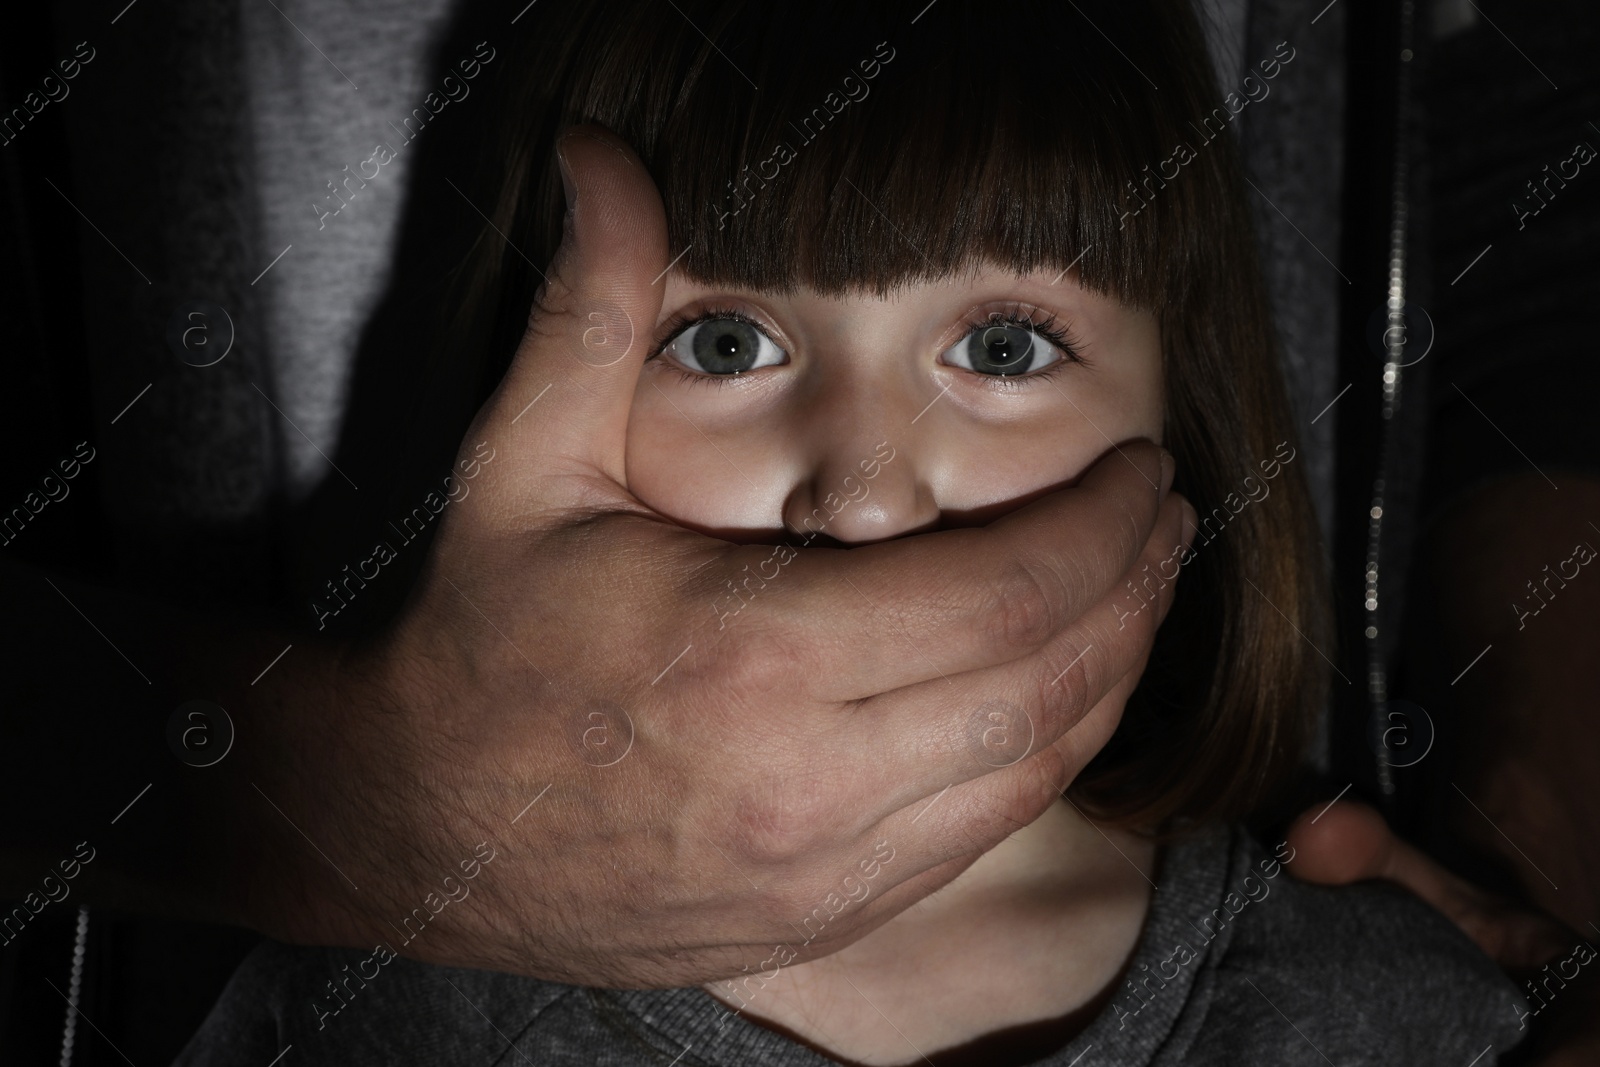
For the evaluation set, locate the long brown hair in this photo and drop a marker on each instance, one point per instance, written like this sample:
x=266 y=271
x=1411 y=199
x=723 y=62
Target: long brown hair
x=1037 y=135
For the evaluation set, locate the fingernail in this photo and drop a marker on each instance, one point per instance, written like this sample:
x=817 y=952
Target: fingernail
x=1191 y=524
x=568 y=189
x=1168 y=468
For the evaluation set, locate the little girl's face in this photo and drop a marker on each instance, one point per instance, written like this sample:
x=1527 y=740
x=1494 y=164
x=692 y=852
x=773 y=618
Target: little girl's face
x=946 y=404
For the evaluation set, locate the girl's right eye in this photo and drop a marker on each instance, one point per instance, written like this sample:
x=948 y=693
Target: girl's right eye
x=724 y=346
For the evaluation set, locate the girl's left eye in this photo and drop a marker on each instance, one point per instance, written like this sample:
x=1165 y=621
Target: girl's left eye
x=724 y=346
x=1007 y=345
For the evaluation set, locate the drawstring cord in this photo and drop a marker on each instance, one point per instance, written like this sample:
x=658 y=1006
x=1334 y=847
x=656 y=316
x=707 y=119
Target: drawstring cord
x=69 y=1030
x=1394 y=360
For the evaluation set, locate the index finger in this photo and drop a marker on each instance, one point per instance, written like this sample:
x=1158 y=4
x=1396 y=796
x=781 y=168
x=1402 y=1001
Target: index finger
x=1354 y=842
x=877 y=617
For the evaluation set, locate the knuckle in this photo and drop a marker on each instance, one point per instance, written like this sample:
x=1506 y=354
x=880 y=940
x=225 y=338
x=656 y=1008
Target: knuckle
x=749 y=658
x=775 y=828
x=1060 y=690
x=1022 y=607
x=1039 y=782
x=1022 y=795
x=756 y=660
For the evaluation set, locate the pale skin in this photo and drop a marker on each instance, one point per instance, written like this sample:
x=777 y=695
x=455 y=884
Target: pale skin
x=752 y=446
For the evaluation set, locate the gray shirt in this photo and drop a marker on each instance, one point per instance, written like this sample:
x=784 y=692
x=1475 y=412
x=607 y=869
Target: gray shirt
x=1237 y=963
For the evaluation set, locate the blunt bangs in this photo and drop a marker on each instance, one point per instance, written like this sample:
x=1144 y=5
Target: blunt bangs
x=840 y=147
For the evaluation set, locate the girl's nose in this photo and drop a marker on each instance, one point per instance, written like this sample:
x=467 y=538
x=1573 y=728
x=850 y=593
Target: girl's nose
x=865 y=480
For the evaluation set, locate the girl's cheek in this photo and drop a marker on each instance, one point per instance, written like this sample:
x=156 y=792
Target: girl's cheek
x=696 y=473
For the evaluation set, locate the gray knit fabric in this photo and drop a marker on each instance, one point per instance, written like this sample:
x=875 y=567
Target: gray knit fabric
x=318 y=112
x=220 y=162
x=1237 y=964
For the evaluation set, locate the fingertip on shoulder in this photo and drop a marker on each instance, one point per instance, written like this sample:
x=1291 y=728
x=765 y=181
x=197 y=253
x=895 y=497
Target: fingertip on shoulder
x=1340 y=843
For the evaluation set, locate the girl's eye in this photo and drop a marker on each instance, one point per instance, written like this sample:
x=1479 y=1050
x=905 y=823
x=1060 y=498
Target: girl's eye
x=1002 y=348
x=724 y=347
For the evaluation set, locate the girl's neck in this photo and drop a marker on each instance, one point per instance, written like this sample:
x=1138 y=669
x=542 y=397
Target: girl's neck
x=1034 y=934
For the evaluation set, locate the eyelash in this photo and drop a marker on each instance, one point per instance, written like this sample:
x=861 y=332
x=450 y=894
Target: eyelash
x=1042 y=322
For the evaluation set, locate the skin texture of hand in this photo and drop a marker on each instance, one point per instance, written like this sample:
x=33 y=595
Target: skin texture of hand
x=1350 y=842
x=664 y=800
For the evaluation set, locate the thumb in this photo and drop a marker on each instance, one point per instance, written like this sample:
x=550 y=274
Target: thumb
x=1351 y=842
x=590 y=325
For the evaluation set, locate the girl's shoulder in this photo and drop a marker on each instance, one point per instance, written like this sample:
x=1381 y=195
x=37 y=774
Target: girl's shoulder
x=1366 y=973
